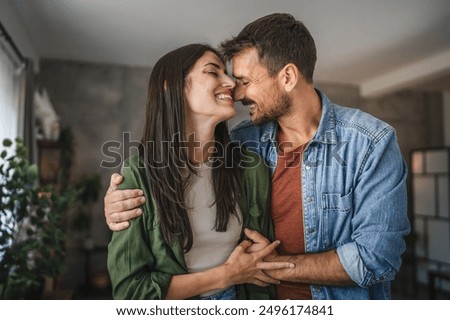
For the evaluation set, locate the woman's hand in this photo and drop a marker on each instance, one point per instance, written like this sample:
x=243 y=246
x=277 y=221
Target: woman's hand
x=246 y=264
x=259 y=242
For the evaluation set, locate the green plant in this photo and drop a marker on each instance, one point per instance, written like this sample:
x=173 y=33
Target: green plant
x=88 y=188
x=34 y=247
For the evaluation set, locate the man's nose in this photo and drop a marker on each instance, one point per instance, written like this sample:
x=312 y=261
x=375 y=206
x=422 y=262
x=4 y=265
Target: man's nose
x=238 y=93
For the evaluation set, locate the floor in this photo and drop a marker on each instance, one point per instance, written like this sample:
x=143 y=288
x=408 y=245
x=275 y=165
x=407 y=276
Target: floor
x=92 y=294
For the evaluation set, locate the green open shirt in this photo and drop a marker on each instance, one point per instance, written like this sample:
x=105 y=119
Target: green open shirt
x=141 y=263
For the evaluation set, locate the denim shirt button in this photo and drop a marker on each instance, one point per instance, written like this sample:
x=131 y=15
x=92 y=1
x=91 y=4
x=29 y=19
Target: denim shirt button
x=311 y=230
x=308 y=168
x=308 y=199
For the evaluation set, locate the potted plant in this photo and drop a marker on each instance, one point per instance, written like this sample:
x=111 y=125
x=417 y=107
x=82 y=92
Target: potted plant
x=80 y=218
x=32 y=231
x=87 y=186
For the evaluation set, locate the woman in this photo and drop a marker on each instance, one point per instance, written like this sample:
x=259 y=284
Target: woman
x=202 y=192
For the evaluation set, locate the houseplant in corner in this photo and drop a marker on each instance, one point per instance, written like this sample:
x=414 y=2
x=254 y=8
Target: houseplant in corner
x=32 y=231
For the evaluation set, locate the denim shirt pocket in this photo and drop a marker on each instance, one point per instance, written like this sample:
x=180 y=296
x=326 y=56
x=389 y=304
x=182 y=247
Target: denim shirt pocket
x=337 y=215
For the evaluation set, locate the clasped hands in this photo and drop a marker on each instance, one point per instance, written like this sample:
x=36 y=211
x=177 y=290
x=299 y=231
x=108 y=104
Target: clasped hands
x=249 y=262
x=251 y=258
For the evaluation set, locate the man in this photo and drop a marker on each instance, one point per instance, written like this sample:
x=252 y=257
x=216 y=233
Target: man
x=338 y=177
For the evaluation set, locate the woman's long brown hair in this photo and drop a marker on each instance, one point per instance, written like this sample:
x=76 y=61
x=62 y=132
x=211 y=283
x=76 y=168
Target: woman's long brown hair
x=164 y=150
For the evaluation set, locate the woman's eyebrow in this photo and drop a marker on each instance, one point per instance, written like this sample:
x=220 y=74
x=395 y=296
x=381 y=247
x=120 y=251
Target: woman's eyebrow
x=213 y=64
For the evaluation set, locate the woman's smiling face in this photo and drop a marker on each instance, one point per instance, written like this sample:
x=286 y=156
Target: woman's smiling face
x=208 y=90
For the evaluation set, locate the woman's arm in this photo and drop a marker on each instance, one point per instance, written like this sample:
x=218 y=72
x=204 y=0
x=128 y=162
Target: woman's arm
x=240 y=267
x=137 y=273
x=135 y=269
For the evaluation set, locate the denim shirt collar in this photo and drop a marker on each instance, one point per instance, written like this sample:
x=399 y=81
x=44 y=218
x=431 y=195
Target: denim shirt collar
x=269 y=133
x=326 y=132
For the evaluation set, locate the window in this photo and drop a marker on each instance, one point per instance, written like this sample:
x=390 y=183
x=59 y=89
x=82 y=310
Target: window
x=11 y=106
x=12 y=88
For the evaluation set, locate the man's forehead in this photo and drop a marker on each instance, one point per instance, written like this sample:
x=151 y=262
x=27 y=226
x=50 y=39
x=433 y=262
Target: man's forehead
x=246 y=55
x=248 y=69
x=246 y=63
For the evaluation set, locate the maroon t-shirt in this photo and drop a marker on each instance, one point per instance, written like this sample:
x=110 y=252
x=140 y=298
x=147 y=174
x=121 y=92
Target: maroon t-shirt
x=287 y=215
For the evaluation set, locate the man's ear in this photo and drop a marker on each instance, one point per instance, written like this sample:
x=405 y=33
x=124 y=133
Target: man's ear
x=289 y=76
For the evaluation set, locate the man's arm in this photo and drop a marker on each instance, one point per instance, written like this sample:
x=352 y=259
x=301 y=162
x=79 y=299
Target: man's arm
x=323 y=268
x=121 y=205
x=379 y=225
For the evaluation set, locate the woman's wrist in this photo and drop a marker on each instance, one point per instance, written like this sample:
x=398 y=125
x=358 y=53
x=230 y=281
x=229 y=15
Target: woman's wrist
x=225 y=275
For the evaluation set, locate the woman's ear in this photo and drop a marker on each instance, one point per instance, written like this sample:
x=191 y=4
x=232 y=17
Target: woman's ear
x=289 y=76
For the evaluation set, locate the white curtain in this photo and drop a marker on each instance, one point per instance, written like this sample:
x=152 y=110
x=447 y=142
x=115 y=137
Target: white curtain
x=11 y=96
x=12 y=118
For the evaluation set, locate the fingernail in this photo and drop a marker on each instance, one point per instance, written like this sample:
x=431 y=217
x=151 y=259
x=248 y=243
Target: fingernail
x=140 y=193
x=142 y=200
x=139 y=212
x=292 y=266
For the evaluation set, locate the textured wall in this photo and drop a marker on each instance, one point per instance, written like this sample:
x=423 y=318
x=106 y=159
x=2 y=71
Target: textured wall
x=99 y=103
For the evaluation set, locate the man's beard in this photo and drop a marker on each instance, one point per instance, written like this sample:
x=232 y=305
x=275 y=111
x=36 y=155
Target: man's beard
x=281 y=108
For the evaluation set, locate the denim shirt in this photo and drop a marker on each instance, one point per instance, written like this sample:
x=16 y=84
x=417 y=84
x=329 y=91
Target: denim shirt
x=354 y=195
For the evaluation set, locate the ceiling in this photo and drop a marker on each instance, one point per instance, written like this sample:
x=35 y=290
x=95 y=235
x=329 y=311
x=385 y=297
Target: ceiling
x=376 y=45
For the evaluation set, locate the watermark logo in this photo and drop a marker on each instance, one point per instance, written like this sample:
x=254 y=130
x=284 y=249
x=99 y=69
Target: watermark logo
x=163 y=154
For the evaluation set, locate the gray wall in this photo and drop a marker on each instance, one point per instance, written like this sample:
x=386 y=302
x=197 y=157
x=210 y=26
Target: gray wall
x=100 y=102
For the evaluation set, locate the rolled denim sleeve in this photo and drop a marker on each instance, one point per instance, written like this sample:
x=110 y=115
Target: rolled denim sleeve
x=380 y=221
